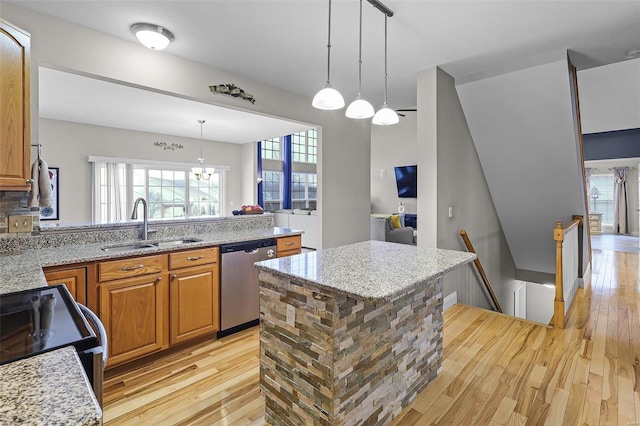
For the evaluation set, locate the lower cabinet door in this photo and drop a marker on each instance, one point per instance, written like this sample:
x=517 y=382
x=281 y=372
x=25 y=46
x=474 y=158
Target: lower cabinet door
x=194 y=295
x=74 y=279
x=134 y=312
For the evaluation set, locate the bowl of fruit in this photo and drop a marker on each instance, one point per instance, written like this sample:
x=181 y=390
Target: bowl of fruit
x=257 y=209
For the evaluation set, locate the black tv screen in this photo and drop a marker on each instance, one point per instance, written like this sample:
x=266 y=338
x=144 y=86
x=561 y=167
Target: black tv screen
x=407 y=181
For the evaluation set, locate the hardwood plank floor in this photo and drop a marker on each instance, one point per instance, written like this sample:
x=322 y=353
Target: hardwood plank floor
x=497 y=370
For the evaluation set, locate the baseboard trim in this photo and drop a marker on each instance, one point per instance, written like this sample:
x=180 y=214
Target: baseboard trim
x=449 y=301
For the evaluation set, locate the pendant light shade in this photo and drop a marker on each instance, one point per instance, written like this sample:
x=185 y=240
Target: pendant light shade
x=360 y=108
x=328 y=98
x=385 y=116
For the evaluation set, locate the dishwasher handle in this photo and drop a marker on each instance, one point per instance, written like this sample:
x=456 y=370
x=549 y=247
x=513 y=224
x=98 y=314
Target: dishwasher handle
x=247 y=246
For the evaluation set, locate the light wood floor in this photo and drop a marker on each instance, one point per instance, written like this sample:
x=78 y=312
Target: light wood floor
x=497 y=370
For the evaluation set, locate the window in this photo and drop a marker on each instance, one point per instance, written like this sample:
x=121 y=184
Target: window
x=289 y=163
x=271 y=149
x=171 y=191
x=304 y=146
x=272 y=189
x=604 y=203
x=304 y=190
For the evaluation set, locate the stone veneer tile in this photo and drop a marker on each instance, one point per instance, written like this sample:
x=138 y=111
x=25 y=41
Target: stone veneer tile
x=360 y=364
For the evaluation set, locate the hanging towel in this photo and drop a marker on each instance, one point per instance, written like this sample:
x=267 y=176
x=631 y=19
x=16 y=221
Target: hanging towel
x=41 y=186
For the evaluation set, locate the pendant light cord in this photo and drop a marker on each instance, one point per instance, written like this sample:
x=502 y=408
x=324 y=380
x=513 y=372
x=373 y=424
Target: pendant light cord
x=329 y=48
x=360 y=54
x=201 y=157
x=385 y=59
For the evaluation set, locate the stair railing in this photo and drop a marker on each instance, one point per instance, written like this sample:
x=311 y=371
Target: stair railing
x=483 y=275
x=568 y=267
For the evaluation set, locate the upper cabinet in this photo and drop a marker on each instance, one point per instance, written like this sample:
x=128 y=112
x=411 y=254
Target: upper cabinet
x=15 y=138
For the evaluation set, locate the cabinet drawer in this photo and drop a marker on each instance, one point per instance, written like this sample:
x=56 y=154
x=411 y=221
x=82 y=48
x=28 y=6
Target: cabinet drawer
x=124 y=268
x=289 y=243
x=196 y=257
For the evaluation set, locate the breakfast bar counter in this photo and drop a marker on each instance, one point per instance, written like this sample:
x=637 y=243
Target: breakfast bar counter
x=350 y=335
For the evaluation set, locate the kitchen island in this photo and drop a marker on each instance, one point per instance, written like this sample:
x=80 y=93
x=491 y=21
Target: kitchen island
x=350 y=335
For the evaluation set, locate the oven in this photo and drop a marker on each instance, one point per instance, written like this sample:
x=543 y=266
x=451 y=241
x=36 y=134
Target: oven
x=44 y=319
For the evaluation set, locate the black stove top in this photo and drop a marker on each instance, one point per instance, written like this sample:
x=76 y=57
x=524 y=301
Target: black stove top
x=40 y=320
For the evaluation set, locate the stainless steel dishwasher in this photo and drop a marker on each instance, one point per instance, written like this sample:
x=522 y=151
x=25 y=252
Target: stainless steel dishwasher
x=239 y=286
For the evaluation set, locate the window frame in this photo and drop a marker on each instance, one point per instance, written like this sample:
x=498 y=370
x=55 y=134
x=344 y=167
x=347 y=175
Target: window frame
x=133 y=164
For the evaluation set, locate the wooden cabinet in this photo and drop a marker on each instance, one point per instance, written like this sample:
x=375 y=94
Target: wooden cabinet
x=75 y=279
x=134 y=306
x=595 y=223
x=194 y=294
x=287 y=246
x=15 y=134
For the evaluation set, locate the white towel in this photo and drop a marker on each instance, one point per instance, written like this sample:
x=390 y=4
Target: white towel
x=41 y=186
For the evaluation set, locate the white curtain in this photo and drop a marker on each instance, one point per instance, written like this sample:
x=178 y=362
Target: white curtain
x=620 y=201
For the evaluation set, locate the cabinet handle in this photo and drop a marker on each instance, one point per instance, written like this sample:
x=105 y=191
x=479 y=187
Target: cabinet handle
x=159 y=278
x=192 y=258
x=288 y=244
x=29 y=181
x=132 y=268
x=174 y=276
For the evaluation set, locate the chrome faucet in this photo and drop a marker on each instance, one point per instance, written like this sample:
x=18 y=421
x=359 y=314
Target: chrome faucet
x=145 y=218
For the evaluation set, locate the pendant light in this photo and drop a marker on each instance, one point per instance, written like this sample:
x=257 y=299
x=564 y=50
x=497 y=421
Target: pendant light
x=360 y=108
x=385 y=116
x=328 y=98
x=202 y=172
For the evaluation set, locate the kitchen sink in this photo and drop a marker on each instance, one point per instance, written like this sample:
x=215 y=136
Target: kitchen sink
x=127 y=247
x=143 y=245
x=176 y=242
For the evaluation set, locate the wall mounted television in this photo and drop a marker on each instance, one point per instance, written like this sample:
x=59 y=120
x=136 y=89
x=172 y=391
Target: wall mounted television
x=407 y=181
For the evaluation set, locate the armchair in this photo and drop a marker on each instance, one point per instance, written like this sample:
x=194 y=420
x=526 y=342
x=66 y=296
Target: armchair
x=402 y=235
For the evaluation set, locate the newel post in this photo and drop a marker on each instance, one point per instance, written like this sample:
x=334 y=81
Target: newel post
x=558 y=305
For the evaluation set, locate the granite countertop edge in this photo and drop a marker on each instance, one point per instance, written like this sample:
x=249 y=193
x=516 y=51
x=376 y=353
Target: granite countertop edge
x=22 y=270
x=382 y=296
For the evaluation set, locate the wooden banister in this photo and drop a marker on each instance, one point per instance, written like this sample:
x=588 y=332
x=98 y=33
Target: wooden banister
x=483 y=275
x=558 y=304
x=559 y=231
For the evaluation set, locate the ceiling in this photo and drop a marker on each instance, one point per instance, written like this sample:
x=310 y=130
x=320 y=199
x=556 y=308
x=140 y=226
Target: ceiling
x=75 y=98
x=283 y=43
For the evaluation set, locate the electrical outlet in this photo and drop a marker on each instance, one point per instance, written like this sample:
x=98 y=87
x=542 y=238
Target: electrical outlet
x=291 y=315
x=20 y=223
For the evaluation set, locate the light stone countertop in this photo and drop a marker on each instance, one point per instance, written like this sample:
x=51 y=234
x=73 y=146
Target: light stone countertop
x=370 y=270
x=23 y=270
x=47 y=389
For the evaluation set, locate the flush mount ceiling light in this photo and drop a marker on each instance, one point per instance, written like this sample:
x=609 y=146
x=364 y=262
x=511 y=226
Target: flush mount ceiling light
x=328 y=98
x=385 y=116
x=360 y=108
x=152 y=36
x=202 y=172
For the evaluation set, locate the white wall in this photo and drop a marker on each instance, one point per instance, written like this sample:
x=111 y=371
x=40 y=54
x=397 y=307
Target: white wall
x=344 y=144
x=605 y=167
x=459 y=182
x=523 y=129
x=540 y=302
x=392 y=146
x=610 y=97
x=67 y=145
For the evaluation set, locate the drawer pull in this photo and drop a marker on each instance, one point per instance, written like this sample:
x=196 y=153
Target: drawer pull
x=193 y=258
x=174 y=276
x=132 y=268
x=289 y=243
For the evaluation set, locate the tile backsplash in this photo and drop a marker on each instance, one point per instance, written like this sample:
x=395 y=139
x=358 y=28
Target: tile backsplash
x=15 y=203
